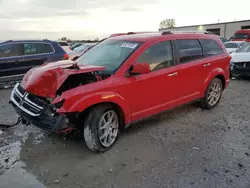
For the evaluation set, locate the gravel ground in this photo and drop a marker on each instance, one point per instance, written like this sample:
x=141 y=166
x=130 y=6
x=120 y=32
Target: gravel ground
x=185 y=147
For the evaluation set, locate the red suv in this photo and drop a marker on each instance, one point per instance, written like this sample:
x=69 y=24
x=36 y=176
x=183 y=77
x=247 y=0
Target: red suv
x=122 y=80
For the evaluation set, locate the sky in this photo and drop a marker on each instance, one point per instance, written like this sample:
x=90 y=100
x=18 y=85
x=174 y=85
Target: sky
x=90 y=19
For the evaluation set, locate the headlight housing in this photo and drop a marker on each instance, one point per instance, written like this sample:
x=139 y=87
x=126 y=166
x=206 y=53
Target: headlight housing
x=59 y=104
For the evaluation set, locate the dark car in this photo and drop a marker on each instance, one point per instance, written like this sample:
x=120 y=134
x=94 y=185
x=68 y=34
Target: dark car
x=19 y=56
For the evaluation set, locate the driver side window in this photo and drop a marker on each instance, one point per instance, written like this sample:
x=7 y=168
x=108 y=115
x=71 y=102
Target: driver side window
x=158 y=56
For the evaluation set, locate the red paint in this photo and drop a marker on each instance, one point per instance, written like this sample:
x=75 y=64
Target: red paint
x=138 y=96
x=242 y=31
x=65 y=131
x=141 y=68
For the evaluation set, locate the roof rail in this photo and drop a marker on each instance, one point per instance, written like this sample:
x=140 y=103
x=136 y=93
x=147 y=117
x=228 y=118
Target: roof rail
x=8 y=41
x=179 y=32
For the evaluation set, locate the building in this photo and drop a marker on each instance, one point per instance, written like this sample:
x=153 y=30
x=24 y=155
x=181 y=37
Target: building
x=226 y=29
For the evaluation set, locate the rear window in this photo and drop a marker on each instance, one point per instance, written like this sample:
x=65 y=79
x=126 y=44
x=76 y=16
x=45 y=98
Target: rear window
x=36 y=48
x=240 y=36
x=63 y=43
x=211 y=47
x=189 y=50
x=8 y=50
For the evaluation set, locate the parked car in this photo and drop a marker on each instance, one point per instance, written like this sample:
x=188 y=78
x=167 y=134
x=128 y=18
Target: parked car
x=122 y=80
x=19 y=56
x=65 y=46
x=77 y=52
x=240 y=62
x=233 y=46
x=241 y=35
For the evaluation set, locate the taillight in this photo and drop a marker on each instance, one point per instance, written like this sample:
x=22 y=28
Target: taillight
x=65 y=56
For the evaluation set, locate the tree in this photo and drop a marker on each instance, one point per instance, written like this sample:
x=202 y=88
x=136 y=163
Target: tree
x=64 y=38
x=167 y=23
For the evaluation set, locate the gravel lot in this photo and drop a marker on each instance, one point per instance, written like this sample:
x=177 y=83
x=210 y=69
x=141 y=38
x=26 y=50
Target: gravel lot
x=185 y=147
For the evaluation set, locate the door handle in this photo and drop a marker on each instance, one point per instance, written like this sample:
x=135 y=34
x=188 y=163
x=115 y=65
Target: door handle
x=173 y=74
x=206 y=65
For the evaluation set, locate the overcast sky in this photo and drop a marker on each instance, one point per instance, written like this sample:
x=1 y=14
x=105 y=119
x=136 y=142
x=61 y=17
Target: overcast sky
x=79 y=19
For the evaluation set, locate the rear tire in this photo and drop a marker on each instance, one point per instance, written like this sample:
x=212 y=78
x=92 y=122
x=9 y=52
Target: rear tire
x=213 y=94
x=101 y=128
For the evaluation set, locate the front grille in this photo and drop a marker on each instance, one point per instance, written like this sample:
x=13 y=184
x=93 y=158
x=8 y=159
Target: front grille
x=21 y=89
x=21 y=99
x=243 y=65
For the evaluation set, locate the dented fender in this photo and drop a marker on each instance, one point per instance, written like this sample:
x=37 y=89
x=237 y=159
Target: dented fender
x=80 y=104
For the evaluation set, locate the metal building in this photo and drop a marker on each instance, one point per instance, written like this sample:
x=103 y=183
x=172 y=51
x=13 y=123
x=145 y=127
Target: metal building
x=226 y=29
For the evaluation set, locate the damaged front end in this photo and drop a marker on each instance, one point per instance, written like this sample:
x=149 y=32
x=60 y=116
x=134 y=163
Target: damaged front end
x=38 y=110
x=32 y=99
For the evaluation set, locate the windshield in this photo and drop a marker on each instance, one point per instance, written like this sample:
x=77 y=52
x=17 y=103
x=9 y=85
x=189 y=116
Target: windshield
x=109 y=53
x=245 y=48
x=231 y=45
x=240 y=36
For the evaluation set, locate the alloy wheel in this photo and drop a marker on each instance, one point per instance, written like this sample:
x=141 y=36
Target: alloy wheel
x=108 y=128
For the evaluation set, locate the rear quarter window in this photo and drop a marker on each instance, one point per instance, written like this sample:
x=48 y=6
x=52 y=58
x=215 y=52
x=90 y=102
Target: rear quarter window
x=211 y=47
x=36 y=48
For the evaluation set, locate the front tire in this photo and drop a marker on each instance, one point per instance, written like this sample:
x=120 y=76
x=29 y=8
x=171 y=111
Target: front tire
x=101 y=128
x=213 y=94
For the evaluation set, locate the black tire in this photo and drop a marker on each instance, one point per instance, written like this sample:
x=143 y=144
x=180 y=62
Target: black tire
x=204 y=102
x=91 y=128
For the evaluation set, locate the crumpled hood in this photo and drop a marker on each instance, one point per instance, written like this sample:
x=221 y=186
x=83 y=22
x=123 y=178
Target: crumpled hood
x=45 y=80
x=240 y=57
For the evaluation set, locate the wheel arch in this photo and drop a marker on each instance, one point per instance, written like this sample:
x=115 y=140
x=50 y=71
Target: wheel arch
x=116 y=107
x=216 y=73
x=222 y=78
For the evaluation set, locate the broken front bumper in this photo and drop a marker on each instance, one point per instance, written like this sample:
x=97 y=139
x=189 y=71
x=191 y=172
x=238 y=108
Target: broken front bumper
x=36 y=111
x=240 y=69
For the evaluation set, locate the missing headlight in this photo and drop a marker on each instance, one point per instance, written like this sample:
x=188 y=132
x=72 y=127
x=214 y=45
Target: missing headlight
x=59 y=104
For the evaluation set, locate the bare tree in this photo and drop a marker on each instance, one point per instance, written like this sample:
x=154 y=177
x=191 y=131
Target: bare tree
x=167 y=23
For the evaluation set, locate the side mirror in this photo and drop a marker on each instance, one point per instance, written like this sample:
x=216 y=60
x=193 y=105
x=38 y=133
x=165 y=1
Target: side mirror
x=139 y=68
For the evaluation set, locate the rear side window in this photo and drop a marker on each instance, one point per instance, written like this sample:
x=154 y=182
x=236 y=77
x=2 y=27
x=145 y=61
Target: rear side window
x=189 y=50
x=158 y=56
x=36 y=48
x=63 y=43
x=8 y=50
x=211 y=47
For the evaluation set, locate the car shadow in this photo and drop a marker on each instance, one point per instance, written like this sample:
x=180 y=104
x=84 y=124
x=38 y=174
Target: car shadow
x=161 y=119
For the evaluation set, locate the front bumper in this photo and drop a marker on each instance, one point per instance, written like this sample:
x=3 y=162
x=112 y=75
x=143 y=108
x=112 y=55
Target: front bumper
x=37 y=111
x=240 y=69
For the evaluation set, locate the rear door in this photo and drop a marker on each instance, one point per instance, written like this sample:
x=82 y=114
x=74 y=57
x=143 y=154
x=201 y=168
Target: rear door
x=9 y=60
x=191 y=68
x=212 y=53
x=34 y=54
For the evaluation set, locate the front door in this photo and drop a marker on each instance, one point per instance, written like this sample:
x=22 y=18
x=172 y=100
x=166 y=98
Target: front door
x=151 y=93
x=9 y=60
